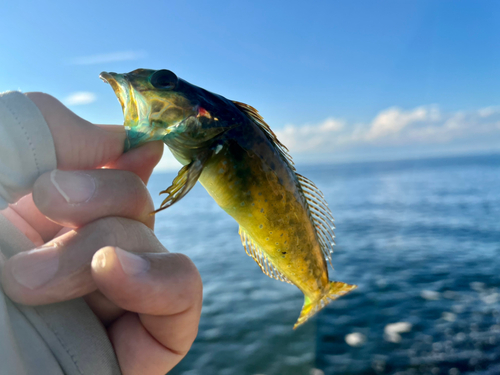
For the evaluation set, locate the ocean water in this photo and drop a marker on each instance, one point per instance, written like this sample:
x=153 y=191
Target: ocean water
x=420 y=238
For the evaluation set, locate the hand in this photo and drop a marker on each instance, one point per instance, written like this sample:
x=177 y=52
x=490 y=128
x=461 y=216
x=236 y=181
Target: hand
x=94 y=238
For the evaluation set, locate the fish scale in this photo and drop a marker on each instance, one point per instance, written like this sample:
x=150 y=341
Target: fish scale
x=285 y=223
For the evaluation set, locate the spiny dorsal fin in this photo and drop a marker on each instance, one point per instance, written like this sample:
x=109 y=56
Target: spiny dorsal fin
x=320 y=214
x=254 y=115
x=261 y=258
x=318 y=208
x=184 y=181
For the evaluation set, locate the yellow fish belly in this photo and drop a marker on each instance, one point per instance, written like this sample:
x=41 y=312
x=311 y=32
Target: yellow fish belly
x=264 y=195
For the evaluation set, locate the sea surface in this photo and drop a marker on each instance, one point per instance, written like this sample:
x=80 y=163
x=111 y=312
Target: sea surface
x=420 y=238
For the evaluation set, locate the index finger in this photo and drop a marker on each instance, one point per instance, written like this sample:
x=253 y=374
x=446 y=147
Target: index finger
x=39 y=229
x=75 y=198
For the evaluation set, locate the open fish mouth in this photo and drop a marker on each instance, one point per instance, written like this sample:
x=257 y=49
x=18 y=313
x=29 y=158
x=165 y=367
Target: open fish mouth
x=120 y=86
x=136 y=123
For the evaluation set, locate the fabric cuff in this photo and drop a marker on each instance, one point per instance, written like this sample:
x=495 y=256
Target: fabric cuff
x=26 y=146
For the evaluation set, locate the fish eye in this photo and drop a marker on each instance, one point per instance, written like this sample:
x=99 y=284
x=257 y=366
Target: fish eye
x=163 y=79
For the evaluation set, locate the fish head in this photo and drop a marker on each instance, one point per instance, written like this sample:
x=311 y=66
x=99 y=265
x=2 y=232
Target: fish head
x=153 y=103
x=157 y=105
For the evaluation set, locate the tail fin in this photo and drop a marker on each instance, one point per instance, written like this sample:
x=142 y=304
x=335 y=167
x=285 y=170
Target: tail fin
x=337 y=289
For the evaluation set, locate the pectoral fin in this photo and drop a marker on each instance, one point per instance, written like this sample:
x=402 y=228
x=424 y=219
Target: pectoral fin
x=184 y=182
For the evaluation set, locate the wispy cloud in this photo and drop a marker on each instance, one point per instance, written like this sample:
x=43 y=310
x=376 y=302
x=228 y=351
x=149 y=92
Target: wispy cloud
x=109 y=57
x=393 y=127
x=80 y=98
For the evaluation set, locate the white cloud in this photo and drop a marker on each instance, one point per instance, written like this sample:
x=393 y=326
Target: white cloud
x=488 y=111
x=393 y=120
x=109 y=57
x=393 y=127
x=80 y=98
x=308 y=137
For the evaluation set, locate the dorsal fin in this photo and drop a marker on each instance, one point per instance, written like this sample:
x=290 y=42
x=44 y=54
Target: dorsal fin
x=319 y=212
x=254 y=115
x=254 y=251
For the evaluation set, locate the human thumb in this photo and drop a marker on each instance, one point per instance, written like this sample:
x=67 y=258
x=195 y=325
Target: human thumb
x=79 y=144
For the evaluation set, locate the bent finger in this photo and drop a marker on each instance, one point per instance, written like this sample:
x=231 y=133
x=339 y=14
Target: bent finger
x=75 y=198
x=28 y=219
x=137 y=351
x=165 y=290
x=140 y=161
x=60 y=270
x=103 y=308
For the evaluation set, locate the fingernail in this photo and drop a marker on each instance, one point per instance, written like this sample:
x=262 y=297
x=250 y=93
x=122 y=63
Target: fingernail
x=99 y=260
x=35 y=268
x=132 y=264
x=75 y=187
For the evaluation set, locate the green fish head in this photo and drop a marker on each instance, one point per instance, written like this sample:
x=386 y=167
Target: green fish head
x=153 y=106
x=157 y=105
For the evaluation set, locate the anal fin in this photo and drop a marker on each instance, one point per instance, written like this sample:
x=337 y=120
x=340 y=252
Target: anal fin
x=254 y=251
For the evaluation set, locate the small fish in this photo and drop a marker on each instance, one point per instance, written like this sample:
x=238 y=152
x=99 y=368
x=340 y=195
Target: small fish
x=285 y=223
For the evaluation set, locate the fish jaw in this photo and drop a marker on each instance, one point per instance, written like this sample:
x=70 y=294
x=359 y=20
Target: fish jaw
x=136 y=111
x=120 y=87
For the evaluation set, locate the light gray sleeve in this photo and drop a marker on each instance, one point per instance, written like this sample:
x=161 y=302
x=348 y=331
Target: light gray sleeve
x=63 y=338
x=26 y=146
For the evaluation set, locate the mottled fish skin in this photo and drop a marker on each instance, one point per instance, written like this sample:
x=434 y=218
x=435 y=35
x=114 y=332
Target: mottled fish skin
x=250 y=181
x=236 y=157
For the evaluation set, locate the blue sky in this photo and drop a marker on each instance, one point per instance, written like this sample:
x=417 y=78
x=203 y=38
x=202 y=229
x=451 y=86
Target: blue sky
x=337 y=80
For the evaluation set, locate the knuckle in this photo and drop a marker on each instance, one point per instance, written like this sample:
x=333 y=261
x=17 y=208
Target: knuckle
x=41 y=191
x=119 y=231
x=142 y=201
x=190 y=275
x=132 y=197
x=110 y=230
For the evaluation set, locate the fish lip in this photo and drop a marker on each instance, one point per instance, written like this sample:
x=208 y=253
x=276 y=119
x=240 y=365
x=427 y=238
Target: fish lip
x=120 y=86
x=105 y=76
